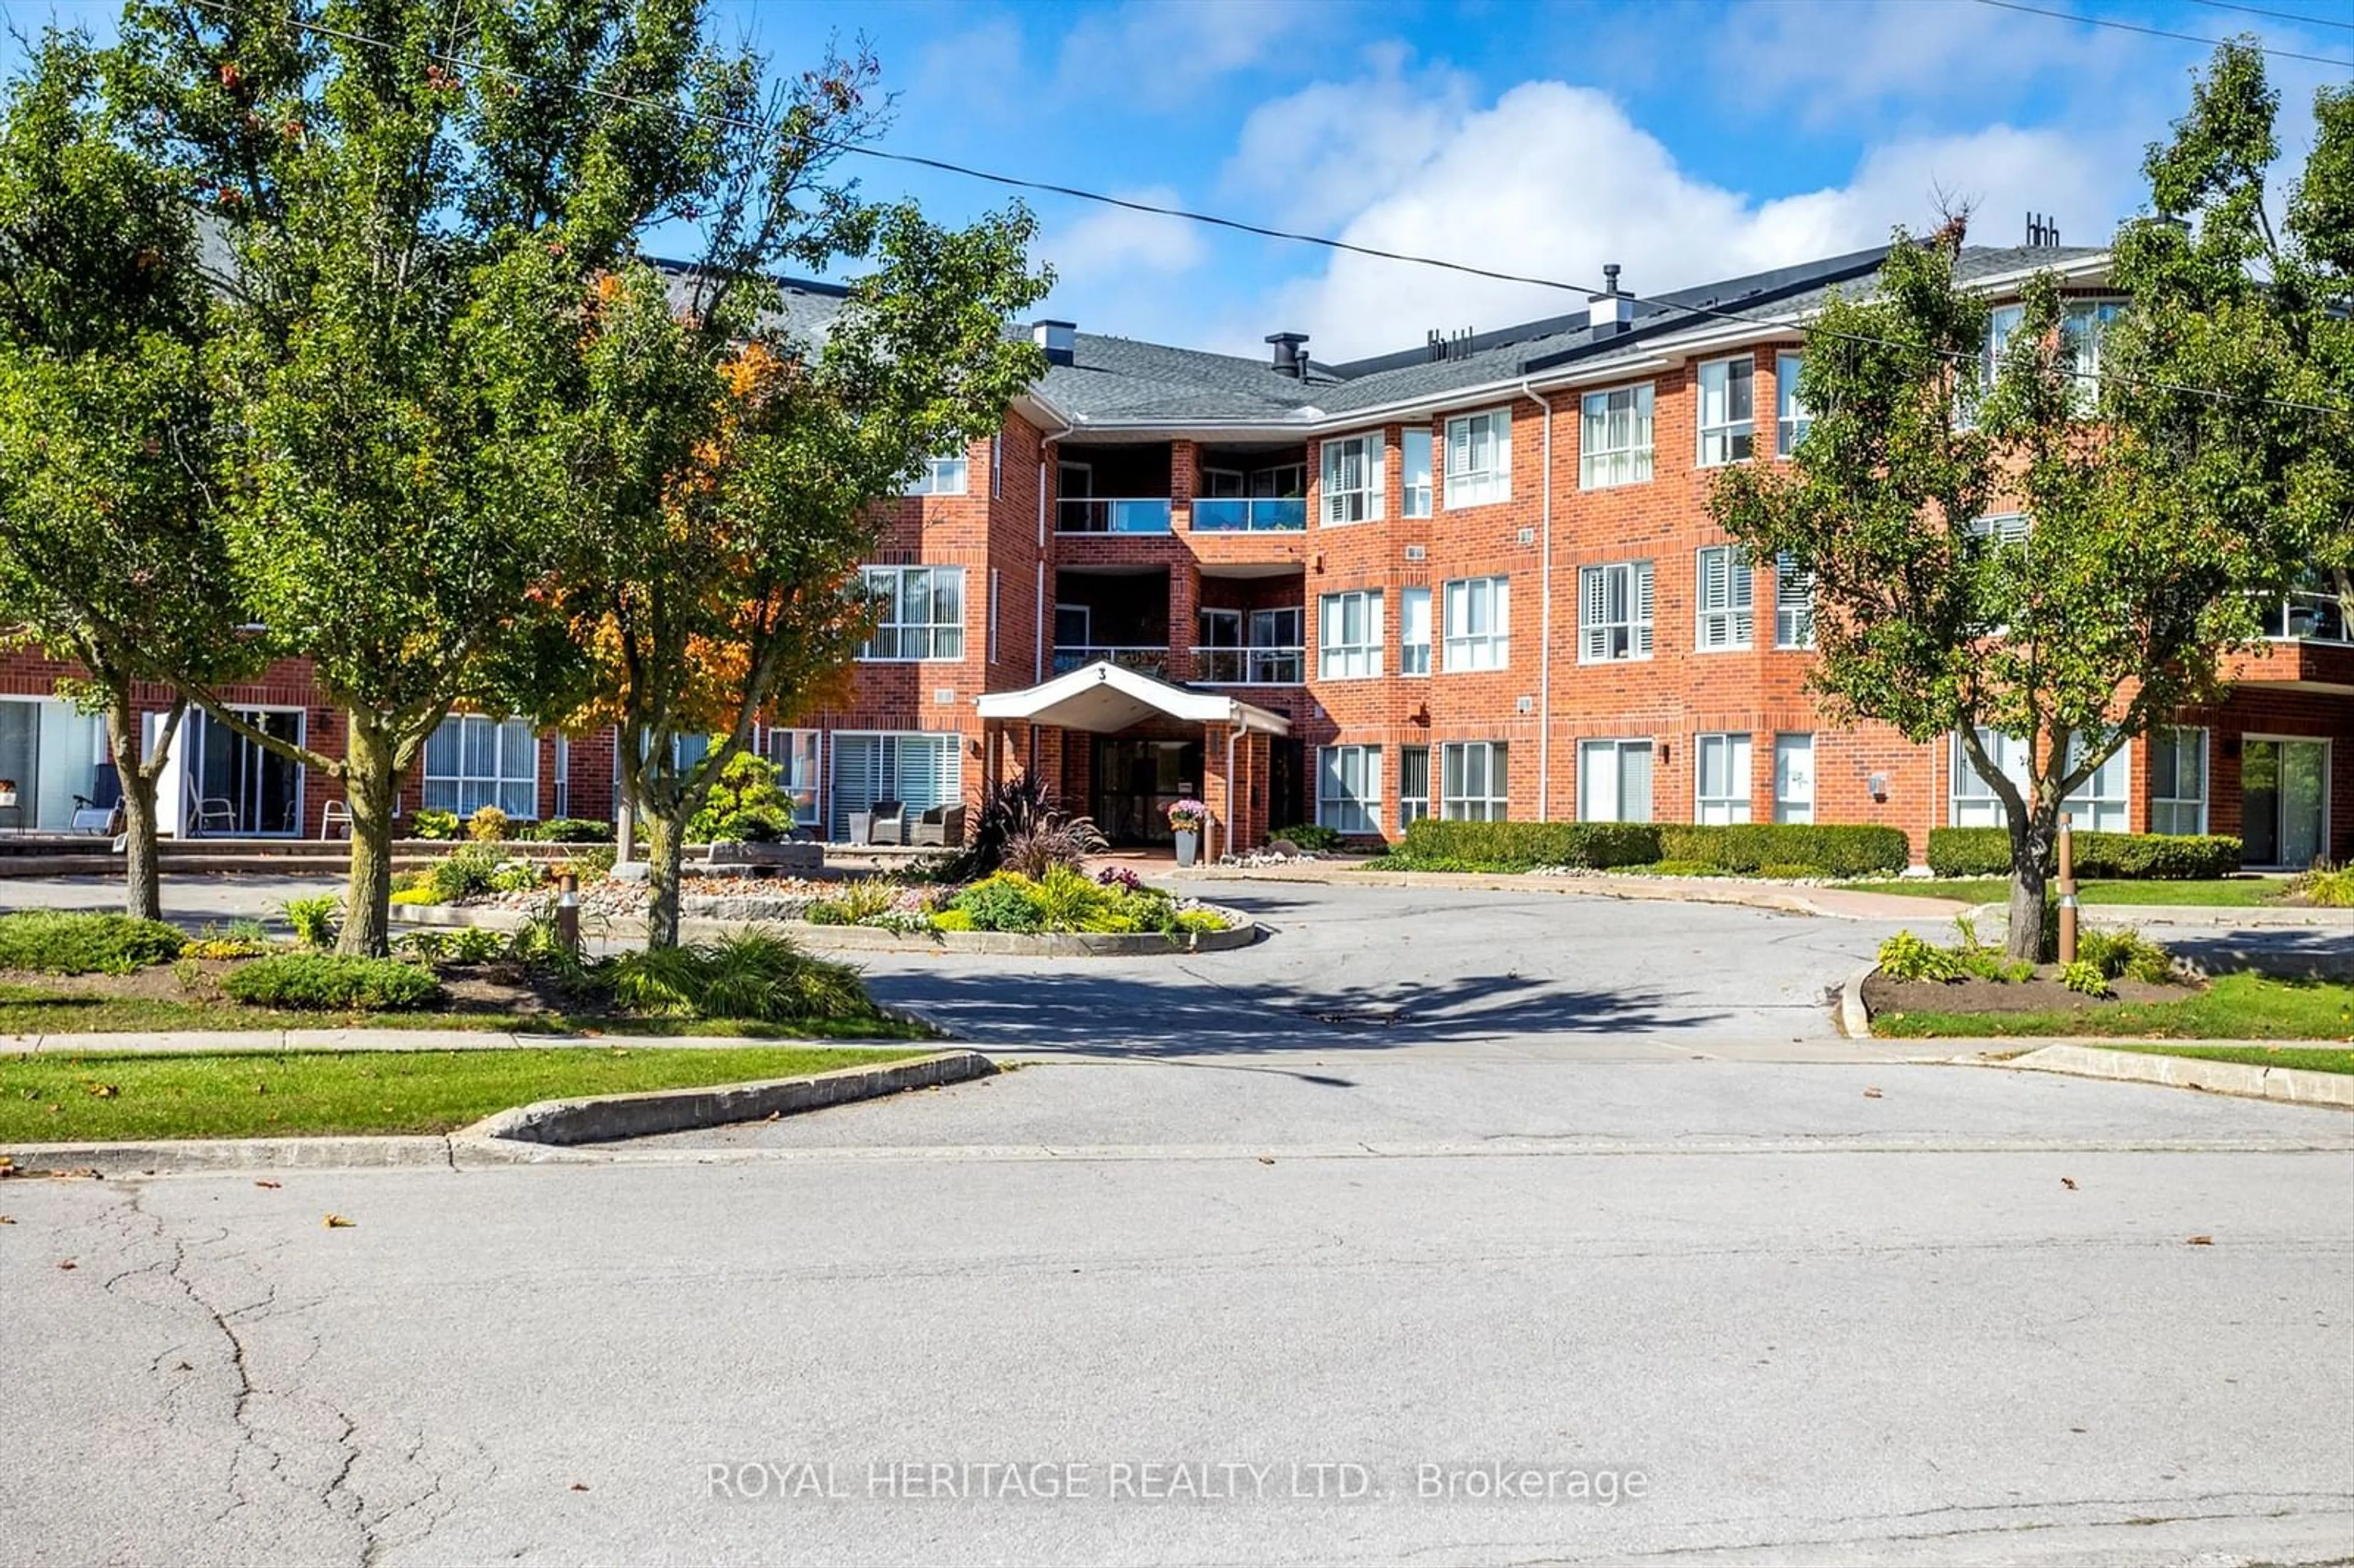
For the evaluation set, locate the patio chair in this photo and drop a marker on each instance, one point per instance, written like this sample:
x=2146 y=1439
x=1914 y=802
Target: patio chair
x=885 y=823
x=940 y=825
x=215 y=813
x=333 y=815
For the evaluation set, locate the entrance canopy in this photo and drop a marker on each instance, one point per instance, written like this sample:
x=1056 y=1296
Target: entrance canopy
x=1104 y=697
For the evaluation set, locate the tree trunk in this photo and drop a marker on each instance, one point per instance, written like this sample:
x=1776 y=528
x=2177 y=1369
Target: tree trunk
x=664 y=835
x=369 y=786
x=142 y=879
x=2031 y=844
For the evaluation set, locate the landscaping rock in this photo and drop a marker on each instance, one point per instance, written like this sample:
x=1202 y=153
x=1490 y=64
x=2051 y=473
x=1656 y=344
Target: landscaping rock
x=630 y=871
x=729 y=857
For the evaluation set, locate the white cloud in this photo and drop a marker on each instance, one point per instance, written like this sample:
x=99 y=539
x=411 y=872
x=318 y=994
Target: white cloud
x=1320 y=153
x=1552 y=181
x=1160 y=53
x=1110 y=243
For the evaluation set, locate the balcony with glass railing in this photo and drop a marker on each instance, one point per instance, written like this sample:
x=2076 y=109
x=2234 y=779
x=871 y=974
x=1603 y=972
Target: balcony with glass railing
x=2307 y=617
x=1094 y=515
x=1231 y=667
x=1259 y=515
x=1070 y=656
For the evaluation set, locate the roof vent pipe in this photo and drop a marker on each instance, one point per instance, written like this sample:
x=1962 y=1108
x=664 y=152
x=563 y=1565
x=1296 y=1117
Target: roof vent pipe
x=1290 y=356
x=1059 y=339
x=1609 y=312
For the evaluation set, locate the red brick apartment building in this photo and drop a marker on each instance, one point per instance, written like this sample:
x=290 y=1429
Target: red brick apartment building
x=1474 y=578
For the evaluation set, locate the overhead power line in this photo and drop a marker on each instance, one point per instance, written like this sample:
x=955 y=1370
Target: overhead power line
x=2277 y=16
x=2343 y=65
x=1217 y=220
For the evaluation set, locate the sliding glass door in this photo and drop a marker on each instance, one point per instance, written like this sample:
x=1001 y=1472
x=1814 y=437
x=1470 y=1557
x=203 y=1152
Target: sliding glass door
x=2284 y=802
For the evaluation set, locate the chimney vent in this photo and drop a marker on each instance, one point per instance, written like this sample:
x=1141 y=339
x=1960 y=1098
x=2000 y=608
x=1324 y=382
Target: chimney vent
x=1059 y=339
x=1290 y=356
x=1609 y=312
x=2043 y=231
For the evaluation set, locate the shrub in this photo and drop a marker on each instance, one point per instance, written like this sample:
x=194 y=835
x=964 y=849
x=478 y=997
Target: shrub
x=2125 y=955
x=572 y=831
x=1192 y=921
x=517 y=876
x=1516 y=846
x=1010 y=814
x=751 y=974
x=1905 y=957
x=1827 y=850
x=465 y=945
x=1311 y=836
x=1121 y=877
x=315 y=919
x=463 y=872
x=2087 y=977
x=488 y=825
x=59 y=943
x=422 y=893
x=744 y=805
x=430 y=823
x=1006 y=902
x=1062 y=845
x=2328 y=887
x=589 y=862
x=2131 y=857
x=952 y=919
x=1680 y=868
x=1789 y=873
x=856 y=904
x=331 y=982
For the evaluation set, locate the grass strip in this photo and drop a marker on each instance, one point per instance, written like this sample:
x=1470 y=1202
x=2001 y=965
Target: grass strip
x=2236 y=1007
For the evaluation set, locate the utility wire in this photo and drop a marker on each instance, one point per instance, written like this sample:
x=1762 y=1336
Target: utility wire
x=1236 y=225
x=2277 y=16
x=2161 y=32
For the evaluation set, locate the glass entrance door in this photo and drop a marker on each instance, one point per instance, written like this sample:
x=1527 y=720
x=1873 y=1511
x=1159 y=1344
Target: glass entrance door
x=239 y=786
x=1136 y=783
x=2284 y=802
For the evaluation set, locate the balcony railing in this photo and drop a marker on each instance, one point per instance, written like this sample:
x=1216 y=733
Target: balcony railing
x=1227 y=515
x=1092 y=516
x=1069 y=656
x=2307 y=617
x=1231 y=667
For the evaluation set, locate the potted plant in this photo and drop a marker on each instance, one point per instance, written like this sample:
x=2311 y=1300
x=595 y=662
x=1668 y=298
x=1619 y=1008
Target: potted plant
x=1185 y=820
x=7 y=792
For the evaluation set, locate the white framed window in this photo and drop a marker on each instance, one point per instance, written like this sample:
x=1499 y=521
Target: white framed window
x=1613 y=438
x=996 y=594
x=1352 y=486
x=1413 y=447
x=2084 y=323
x=560 y=786
x=1413 y=632
x=1728 y=411
x=1721 y=778
x=796 y=752
x=1414 y=785
x=922 y=613
x=1616 y=601
x=1349 y=635
x=1479 y=458
x=1794 y=603
x=1222 y=484
x=1472 y=781
x=997 y=467
x=1790 y=417
x=917 y=769
x=1725 y=588
x=1348 y=789
x=2177 y=781
x=943 y=475
x=1614 y=781
x=2100 y=804
x=2001 y=322
x=472 y=761
x=2000 y=527
x=1794 y=778
x=1479 y=625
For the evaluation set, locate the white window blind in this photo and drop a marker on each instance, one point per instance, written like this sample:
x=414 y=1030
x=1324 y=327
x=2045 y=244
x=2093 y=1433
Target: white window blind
x=1479 y=458
x=1613 y=444
x=1794 y=603
x=1725 y=586
x=1615 y=601
x=1351 y=488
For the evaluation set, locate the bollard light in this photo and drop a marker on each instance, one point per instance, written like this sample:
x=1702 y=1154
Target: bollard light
x=2067 y=889
x=567 y=911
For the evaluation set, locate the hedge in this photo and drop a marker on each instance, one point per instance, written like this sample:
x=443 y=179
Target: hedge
x=1518 y=845
x=330 y=982
x=61 y=943
x=1846 y=850
x=2129 y=857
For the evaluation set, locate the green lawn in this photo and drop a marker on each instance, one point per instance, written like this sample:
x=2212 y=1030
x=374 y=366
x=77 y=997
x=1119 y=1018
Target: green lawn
x=2236 y=1006
x=33 y=1010
x=97 y=1097
x=2309 y=1058
x=2232 y=891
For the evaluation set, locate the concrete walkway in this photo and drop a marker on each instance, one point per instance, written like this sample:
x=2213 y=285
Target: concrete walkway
x=1789 y=898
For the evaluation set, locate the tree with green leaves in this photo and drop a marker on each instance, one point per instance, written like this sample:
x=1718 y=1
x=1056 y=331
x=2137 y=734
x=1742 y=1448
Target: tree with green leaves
x=2003 y=542
x=109 y=549
x=414 y=198
x=730 y=459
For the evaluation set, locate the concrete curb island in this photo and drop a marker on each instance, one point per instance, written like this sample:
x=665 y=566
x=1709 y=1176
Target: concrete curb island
x=523 y=1135
x=1241 y=932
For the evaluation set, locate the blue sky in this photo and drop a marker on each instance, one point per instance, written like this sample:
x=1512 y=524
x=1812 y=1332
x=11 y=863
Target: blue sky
x=1685 y=139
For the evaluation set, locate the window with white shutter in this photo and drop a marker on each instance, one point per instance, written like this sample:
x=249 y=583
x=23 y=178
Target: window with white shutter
x=1480 y=459
x=1616 y=605
x=1725 y=588
x=920 y=770
x=920 y=613
x=1351 y=488
x=1794 y=603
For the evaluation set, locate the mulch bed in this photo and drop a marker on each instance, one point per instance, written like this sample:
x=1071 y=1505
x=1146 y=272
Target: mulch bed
x=491 y=987
x=2044 y=993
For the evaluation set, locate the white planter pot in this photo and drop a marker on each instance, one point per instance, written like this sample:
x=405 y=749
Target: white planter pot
x=1189 y=846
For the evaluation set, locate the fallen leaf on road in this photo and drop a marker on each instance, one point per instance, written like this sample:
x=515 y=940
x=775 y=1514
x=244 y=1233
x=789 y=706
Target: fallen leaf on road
x=1873 y=1095
x=337 y=1222
x=579 y=1486
x=1266 y=1160
x=2068 y=1183
x=70 y=1265
x=7 y=1219
x=2201 y=1241
x=259 y=1184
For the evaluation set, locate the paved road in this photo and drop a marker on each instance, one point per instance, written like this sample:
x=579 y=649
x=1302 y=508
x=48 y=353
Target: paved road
x=1623 y=1218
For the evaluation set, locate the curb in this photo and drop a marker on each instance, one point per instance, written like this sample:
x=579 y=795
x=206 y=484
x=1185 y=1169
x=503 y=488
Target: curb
x=526 y=1135
x=2292 y=1084
x=1854 y=1018
x=1783 y=899
x=1241 y=931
